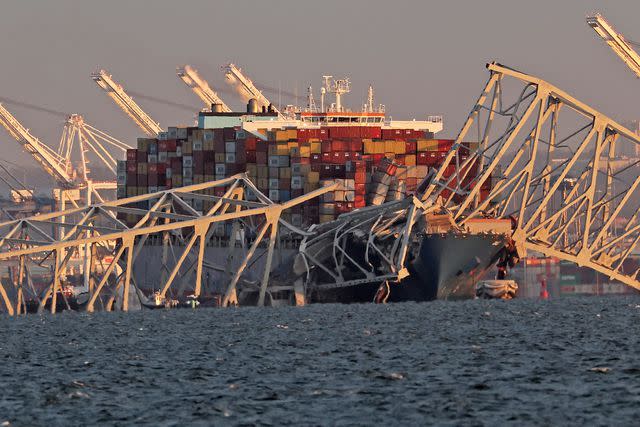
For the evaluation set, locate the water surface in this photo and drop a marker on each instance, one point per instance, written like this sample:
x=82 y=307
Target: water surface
x=567 y=361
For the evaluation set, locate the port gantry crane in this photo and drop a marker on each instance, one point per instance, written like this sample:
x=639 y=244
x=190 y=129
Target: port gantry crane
x=616 y=41
x=78 y=135
x=126 y=103
x=191 y=78
x=245 y=87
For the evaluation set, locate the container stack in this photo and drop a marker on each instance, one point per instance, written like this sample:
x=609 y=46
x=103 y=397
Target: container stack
x=287 y=163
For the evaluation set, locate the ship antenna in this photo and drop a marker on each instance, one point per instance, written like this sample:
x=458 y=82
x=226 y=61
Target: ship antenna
x=311 y=103
x=370 y=99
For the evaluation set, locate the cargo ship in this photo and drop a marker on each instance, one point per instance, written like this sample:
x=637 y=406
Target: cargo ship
x=374 y=160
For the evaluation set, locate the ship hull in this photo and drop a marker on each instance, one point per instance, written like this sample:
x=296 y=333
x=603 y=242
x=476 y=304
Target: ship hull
x=446 y=266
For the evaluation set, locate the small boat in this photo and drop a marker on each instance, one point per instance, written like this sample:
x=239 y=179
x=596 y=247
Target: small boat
x=496 y=289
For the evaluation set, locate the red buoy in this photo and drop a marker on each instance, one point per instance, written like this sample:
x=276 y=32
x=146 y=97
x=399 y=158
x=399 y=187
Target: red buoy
x=543 y=290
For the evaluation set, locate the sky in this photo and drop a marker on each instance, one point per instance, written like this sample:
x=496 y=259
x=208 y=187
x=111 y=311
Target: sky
x=422 y=57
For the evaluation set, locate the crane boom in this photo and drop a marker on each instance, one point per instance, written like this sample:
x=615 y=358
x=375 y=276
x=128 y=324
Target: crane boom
x=48 y=159
x=616 y=42
x=126 y=103
x=191 y=78
x=245 y=86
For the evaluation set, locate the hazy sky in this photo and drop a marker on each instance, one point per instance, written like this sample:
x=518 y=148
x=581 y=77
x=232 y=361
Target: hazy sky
x=423 y=57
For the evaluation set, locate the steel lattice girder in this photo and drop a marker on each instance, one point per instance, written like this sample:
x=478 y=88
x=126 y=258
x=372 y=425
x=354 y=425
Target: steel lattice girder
x=30 y=242
x=550 y=162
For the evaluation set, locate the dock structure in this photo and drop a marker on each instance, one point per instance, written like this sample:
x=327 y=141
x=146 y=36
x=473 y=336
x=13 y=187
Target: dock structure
x=109 y=247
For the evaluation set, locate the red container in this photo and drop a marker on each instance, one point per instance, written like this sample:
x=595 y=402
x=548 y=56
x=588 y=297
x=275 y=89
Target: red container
x=251 y=143
x=303 y=135
x=168 y=145
x=141 y=157
x=132 y=166
x=262 y=146
x=161 y=167
x=445 y=144
x=251 y=157
x=132 y=154
x=338 y=157
x=423 y=158
x=326 y=146
x=316 y=158
x=327 y=157
x=391 y=133
x=261 y=158
x=176 y=166
x=376 y=158
x=316 y=167
x=355 y=144
x=209 y=168
x=374 y=132
x=229 y=134
x=340 y=145
x=411 y=147
x=152 y=180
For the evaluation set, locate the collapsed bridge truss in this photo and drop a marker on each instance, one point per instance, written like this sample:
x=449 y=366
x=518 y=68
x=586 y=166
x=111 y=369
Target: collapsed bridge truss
x=109 y=246
x=565 y=173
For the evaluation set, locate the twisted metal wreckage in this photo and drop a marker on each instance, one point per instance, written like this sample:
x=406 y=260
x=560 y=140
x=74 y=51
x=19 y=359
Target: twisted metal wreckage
x=542 y=159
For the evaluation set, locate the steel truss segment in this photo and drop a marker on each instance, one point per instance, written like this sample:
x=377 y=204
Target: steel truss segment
x=551 y=162
x=79 y=230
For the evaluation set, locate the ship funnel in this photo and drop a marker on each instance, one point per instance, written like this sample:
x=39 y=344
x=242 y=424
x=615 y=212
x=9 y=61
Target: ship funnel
x=216 y=108
x=252 y=106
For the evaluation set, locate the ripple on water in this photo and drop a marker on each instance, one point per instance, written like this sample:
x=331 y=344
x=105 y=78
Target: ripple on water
x=568 y=361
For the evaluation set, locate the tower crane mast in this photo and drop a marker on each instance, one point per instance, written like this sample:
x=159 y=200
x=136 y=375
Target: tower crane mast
x=53 y=163
x=126 y=103
x=245 y=86
x=616 y=42
x=191 y=78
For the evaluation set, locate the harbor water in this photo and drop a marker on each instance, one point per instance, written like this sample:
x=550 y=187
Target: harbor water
x=564 y=361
